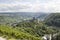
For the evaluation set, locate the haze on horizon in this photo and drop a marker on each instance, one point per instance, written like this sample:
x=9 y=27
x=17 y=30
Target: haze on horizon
x=29 y=5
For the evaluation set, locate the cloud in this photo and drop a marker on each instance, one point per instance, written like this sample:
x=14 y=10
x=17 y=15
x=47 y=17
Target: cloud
x=31 y=6
x=13 y=6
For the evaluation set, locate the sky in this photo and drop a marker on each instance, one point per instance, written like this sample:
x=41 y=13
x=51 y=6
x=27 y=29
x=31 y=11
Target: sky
x=29 y=5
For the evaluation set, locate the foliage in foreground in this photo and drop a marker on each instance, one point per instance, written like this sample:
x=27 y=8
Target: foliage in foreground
x=13 y=33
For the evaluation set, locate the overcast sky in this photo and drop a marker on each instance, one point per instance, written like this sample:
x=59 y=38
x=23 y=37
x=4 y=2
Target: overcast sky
x=30 y=5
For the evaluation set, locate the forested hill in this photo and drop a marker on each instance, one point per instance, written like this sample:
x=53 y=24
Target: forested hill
x=53 y=19
x=35 y=27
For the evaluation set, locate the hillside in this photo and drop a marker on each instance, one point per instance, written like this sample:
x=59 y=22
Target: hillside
x=35 y=28
x=9 y=33
x=53 y=19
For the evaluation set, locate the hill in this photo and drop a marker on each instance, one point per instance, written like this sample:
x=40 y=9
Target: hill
x=53 y=19
x=36 y=28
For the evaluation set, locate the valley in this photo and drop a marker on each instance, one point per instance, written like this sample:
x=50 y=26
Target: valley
x=29 y=26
